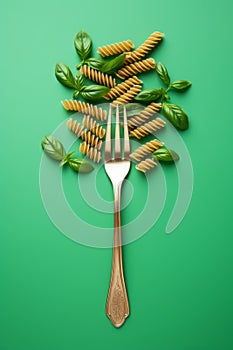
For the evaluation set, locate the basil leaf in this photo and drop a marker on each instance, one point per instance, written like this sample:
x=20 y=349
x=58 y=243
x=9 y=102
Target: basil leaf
x=79 y=81
x=181 y=84
x=64 y=75
x=80 y=165
x=131 y=109
x=114 y=65
x=166 y=155
x=95 y=63
x=53 y=148
x=149 y=95
x=163 y=73
x=83 y=44
x=94 y=92
x=176 y=115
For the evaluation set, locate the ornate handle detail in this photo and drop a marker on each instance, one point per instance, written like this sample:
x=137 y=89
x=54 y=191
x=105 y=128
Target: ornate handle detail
x=117 y=307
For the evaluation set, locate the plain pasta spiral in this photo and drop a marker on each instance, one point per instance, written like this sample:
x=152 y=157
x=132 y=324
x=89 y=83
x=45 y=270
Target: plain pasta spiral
x=135 y=68
x=85 y=135
x=120 y=89
x=128 y=95
x=93 y=126
x=146 y=165
x=148 y=128
x=85 y=108
x=91 y=152
x=145 y=48
x=98 y=77
x=146 y=149
x=116 y=48
x=145 y=114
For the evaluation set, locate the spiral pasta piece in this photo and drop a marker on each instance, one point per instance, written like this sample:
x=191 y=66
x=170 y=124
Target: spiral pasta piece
x=146 y=165
x=93 y=126
x=82 y=133
x=122 y=88
x=97 y=76
x=91 y=152
x=146 y=149
x=85 y=108
x=148 y=128
x=135 y=68
x=136 y=55
x=128 y=95
x=145 y=114
x=113 y=49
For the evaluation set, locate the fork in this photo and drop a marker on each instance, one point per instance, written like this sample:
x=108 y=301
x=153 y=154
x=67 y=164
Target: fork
x=117 y=168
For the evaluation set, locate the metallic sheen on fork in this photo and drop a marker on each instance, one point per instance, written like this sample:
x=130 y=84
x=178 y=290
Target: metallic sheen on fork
x=117 y=168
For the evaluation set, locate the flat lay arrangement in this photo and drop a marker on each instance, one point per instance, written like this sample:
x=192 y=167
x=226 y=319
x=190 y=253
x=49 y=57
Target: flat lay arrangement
x=139 y=114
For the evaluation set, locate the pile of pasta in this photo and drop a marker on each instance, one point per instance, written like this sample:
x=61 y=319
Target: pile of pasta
x=134 y=64
x=90 y=131
x=141 y=125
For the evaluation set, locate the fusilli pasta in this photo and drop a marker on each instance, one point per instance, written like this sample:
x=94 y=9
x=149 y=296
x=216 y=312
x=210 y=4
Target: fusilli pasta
x=146 y=165
x=128 y=95
x=85 y=135
x=97 y=76
x=94 y=111
x=113 y=49
x=93 y=126
x=146 y=149
x=135 y=68
x=145 y=114
x=91 y=152
x=122 y=88
x=143 y=49
x=148 y=128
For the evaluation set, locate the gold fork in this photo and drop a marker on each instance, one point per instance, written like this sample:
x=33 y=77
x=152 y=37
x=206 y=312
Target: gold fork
x=117 y=168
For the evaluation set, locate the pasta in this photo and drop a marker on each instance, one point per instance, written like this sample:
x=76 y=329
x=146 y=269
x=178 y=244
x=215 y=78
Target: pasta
x=91 y=152
x=145 y=114
x=128 y=95
x=94 y=111
x=146 y=165
x=81 y=132
x=97 y=76
x=93 y=126
x=148 y=128
x=122 y=88
x=143 y=49
x=136 y=68
x=113 y=49
x=146 y=149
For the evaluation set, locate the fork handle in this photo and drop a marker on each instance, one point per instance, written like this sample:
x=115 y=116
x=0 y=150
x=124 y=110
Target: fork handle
x=117 y=306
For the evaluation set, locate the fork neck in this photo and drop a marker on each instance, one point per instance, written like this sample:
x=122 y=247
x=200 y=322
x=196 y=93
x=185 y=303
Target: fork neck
x=117 y=197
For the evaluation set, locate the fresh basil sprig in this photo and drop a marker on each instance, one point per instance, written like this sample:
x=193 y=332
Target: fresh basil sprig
x=83 y=44
x=176 y=115
x=94 y=92
x=150 y=95
x=164 y=154
x=164 y=76
x=55 y=150
x=64 y=75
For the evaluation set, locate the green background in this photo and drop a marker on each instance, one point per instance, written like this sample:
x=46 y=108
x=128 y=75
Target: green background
x=53 y=290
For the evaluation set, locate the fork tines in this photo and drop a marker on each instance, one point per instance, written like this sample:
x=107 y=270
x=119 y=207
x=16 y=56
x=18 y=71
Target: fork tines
x=108 y=143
